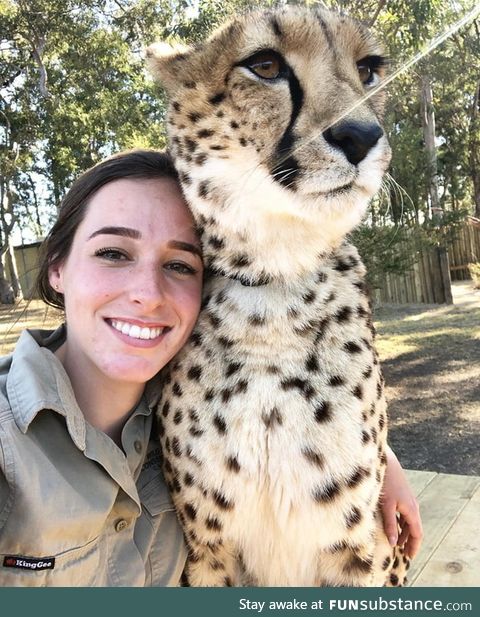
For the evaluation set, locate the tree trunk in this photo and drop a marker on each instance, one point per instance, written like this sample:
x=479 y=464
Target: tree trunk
x=7 y=295
x=6 y=292
x=13 y=271
x=36 y=207
x=474 y=150
x=428 y=123
x=55 y=183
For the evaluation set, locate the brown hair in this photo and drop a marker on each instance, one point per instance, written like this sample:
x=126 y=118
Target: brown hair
x=142 y=164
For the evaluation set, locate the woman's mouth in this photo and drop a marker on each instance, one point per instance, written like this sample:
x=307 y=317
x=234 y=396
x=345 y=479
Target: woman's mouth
x=137 y=332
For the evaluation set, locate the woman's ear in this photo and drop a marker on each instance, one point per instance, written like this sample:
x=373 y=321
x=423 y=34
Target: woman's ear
x=55 y=277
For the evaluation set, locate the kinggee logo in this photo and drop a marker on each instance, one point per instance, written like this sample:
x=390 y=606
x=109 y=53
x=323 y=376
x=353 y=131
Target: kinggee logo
x=29 y=563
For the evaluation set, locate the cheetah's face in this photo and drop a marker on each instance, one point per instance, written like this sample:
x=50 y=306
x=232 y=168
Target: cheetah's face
x=269 y=87
x=268 y=119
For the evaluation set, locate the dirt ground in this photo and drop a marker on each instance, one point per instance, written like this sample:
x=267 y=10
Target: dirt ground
x=431 y=362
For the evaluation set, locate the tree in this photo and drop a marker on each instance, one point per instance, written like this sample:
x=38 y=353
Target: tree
x=73 y=88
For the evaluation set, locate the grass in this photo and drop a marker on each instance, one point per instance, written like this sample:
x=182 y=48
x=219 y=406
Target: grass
x=430 y=356
x=425 y=331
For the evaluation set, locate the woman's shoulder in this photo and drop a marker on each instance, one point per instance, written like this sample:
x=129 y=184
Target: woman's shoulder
x=27 y=361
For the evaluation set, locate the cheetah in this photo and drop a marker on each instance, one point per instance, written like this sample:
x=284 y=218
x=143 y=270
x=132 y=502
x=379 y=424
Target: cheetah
x=272 y=419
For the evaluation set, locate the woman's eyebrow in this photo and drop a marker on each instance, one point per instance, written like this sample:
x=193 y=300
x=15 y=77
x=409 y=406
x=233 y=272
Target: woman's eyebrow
x=185 y=246
x=128 y=232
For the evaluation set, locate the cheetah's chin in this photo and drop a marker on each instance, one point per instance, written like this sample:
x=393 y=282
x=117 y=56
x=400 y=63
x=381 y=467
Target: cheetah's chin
x=334 y=192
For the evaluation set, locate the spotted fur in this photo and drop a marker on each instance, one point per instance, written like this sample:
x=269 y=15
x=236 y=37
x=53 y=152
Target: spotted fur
x=272 y=419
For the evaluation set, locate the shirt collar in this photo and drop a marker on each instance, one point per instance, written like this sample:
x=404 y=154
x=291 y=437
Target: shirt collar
x=37 y=380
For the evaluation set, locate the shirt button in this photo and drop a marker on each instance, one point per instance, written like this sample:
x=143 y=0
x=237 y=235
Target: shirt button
x=121 y=525
x=138 y=446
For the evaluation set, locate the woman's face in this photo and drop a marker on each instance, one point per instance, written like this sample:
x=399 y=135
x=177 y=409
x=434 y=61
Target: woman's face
x=132 y=281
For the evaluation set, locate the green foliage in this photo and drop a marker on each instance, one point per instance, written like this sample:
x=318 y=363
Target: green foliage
x=73 y=88
x=383 y=249
x=454 y=69
x=441 y=231
x=97 y=98
x=194 y=27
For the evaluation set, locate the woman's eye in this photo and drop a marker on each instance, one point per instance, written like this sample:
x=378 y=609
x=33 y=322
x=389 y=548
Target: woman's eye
x=181 y=268
x=111 y=254
x=266 y=64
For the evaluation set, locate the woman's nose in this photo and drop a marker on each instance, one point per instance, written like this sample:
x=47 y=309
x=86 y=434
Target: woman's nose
x=148 y=286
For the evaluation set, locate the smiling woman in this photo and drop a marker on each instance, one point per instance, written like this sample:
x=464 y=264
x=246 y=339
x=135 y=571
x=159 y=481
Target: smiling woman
x=76 y=445
x=134 y=269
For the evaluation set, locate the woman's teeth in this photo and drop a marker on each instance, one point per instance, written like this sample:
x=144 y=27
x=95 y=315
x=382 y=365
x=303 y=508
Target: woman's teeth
x=135 y=331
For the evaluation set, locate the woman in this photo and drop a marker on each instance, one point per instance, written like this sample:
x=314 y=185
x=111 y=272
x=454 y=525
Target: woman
x=82 y=497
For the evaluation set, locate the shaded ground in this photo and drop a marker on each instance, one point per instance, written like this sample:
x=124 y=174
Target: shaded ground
x=431 y=362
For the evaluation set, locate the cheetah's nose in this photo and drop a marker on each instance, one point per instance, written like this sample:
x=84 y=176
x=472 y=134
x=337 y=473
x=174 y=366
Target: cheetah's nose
x=355 y=139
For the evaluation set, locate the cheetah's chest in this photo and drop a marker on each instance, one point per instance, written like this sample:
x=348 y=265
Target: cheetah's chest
x=276 y=411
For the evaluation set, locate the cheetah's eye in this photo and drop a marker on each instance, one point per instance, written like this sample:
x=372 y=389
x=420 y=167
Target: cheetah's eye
x=368 y=70
x=364 y=71
x=266 y=64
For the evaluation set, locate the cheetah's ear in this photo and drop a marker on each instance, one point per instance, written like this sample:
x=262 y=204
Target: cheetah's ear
x=167 y=63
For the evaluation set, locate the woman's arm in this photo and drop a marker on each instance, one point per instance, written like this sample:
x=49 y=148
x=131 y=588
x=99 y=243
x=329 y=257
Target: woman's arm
x=396 y=497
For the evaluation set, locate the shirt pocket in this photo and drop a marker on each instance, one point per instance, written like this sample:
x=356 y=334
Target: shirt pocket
x=78 y=567
x=159 y=536
x=154 y=496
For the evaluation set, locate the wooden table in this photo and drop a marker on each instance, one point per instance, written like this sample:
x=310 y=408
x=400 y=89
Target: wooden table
x=450 y=508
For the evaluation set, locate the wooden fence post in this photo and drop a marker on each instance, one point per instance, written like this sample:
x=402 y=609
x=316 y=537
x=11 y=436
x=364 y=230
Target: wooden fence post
x=445 y=274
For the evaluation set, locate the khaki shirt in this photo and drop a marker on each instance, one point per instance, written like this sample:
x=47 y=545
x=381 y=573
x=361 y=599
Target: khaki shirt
x=74 y=509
